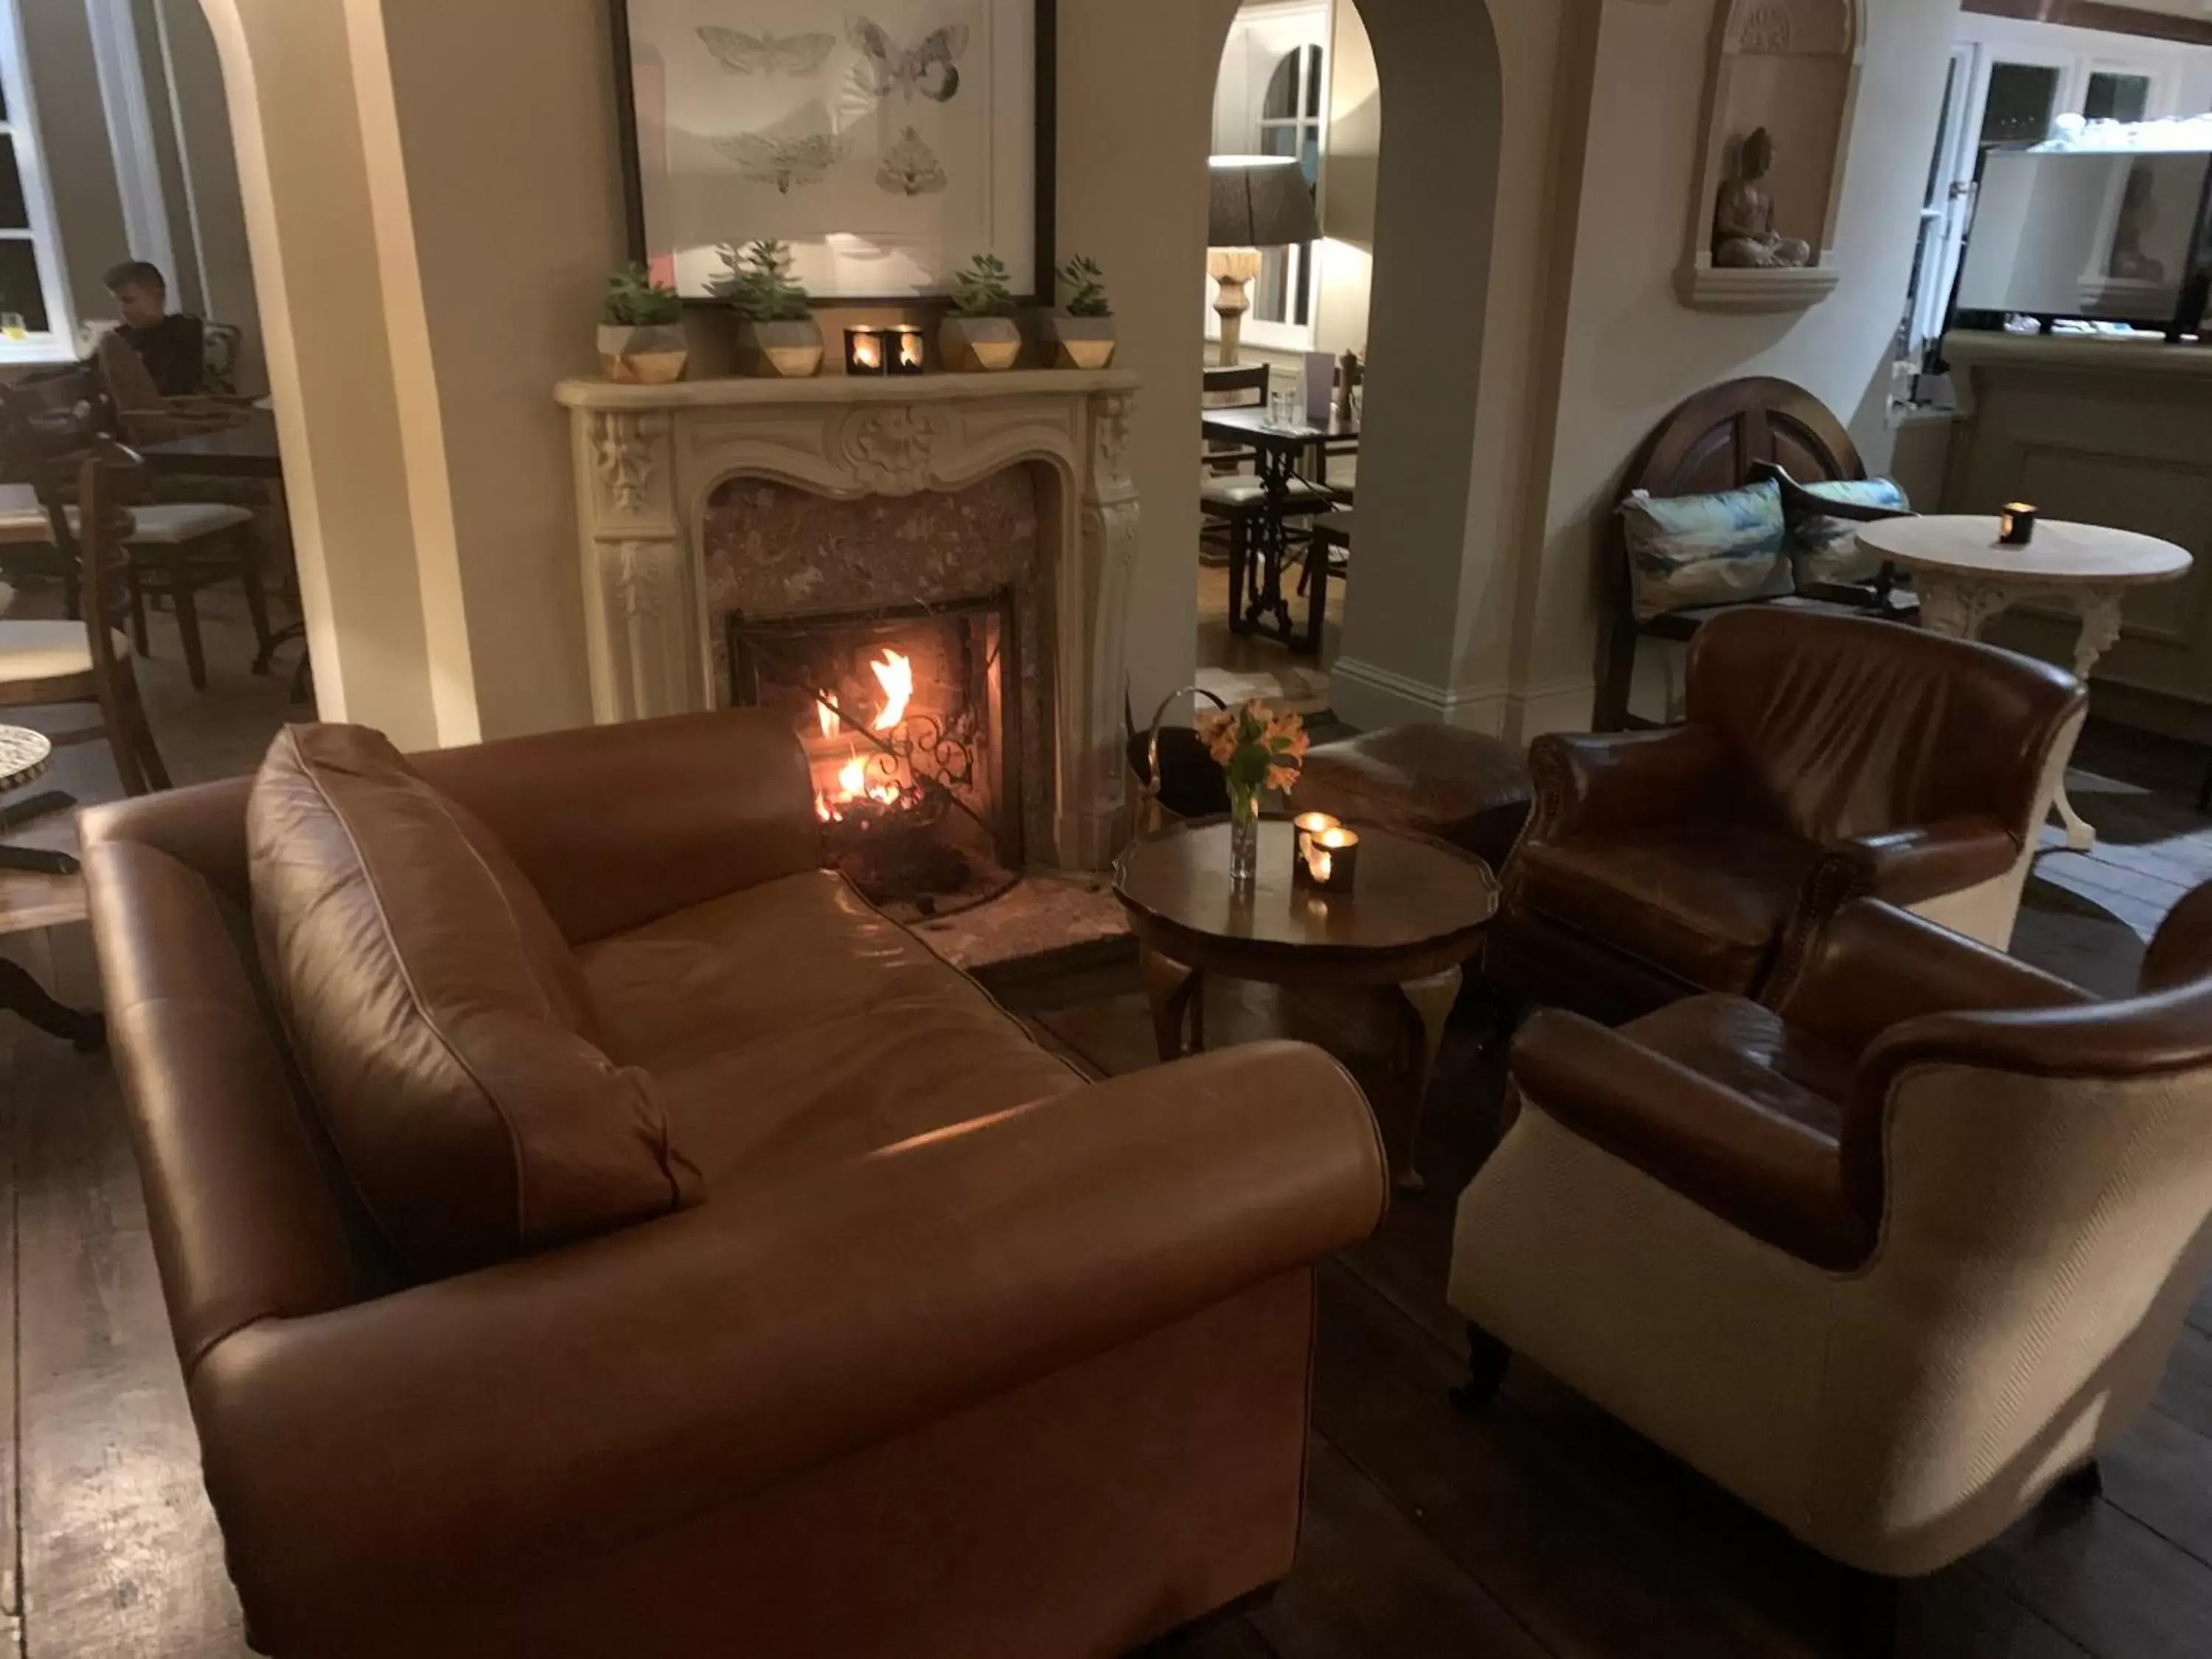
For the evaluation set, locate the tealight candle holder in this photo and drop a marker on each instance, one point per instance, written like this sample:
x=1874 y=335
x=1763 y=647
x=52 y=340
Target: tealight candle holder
x=2016 y=524
x=906 y=350
x=1304 y=828
x=868 y=351
x=1332 y=860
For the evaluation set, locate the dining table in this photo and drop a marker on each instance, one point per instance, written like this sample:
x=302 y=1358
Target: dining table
x=1967 y=575
x=248 y=450
x=1279 y=450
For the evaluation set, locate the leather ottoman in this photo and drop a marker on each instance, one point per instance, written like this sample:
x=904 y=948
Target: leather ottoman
x=1460 y=786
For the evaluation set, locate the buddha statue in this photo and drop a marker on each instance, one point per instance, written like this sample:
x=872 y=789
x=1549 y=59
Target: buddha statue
x=1744 y=237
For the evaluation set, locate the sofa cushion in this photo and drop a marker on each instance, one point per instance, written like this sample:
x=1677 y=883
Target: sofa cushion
x=442 y=1022
x=791 y=1027
x=1689 y=551
x=1705 y=902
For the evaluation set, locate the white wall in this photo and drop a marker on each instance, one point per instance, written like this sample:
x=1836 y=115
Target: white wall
x=1133 y=194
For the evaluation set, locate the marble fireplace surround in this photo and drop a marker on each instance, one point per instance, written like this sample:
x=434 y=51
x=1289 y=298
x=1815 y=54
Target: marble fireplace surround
x=648 y=460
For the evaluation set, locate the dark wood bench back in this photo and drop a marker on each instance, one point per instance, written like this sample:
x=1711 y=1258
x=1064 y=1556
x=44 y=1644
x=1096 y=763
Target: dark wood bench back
x=1715 y=442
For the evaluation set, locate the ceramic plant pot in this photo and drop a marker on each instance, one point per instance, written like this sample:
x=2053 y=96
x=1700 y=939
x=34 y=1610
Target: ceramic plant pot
x=969 y=344
x=787 y=350
x=1079 y=342
x=652 y=354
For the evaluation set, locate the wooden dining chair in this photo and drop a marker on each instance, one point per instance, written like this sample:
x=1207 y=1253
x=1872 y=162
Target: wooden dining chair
x=88 y=660
x=177 y=548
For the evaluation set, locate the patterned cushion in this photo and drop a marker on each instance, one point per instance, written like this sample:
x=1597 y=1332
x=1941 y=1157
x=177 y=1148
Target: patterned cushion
x=1688 y=550
x=1826 y=549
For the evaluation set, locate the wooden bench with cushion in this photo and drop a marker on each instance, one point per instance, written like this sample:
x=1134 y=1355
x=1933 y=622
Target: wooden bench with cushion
x=1727 y=437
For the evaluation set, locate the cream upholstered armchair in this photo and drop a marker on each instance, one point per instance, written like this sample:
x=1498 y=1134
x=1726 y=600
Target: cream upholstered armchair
x=1887 y=1259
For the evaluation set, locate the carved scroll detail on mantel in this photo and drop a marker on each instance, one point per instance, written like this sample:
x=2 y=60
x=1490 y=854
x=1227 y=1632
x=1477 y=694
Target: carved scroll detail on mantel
x=623 y=455
x=651 y=458
x=893 y=452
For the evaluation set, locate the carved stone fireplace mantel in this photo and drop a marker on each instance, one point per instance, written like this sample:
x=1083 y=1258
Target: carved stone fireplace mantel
x=650 y=457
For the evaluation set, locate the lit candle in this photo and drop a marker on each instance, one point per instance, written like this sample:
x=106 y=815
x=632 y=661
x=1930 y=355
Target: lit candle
x=1307 y=825
x=1332 y=859
x=2016 y=523
x=864 y=351
x=909 y=351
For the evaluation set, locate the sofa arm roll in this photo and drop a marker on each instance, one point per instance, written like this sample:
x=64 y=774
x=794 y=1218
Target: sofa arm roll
x=1924 y=861
x=454 y=1438
x=1772 y=1178
x=1600 y=780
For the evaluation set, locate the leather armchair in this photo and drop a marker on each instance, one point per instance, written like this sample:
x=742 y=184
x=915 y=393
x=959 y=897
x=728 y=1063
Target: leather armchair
x=1823 y=758
x=968 y=1356
x=1888 y=1255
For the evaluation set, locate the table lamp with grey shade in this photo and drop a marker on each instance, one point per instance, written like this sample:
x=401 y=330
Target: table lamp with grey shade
x=1258 y=201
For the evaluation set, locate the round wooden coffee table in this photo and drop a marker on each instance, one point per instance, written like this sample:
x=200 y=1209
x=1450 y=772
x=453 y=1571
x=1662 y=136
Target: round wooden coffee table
x=1415 y=918
x=1966 y=577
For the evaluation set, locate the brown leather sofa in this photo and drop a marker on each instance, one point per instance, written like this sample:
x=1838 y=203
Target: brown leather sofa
x=818 y=1312
x=1888 y=1258
x=1822 y=757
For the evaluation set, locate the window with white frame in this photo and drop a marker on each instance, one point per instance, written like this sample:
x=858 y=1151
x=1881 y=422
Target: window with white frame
x=1272 y=99
x=35 y=322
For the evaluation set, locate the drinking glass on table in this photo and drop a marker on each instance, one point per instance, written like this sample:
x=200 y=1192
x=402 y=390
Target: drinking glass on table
x=1283 y=409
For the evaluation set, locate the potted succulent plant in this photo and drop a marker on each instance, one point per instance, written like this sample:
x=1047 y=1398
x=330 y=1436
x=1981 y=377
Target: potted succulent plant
x=777 y=335
x=641 y=330
x=1082 y=335
x=980 y=334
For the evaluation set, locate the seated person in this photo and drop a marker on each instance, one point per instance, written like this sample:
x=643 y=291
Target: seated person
x=171 y=346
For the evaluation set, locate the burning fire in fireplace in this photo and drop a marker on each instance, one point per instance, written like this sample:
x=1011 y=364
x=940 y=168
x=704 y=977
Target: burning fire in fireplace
x=907 y=734
x=894 y=672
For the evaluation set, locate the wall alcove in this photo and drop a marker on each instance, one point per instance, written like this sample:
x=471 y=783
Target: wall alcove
x=1792 y=67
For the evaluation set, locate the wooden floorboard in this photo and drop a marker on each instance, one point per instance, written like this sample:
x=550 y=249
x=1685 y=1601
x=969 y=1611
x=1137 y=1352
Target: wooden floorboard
x=1370 y=1582
x=2186 y=1393
x=1495 y=1494
x=2108 y=1582
x=121 y=1552
x=2161 y=1475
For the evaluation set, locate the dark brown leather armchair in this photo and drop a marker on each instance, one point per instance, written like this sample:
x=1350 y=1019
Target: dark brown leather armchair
x=1822 y=757
x=1888 y=1256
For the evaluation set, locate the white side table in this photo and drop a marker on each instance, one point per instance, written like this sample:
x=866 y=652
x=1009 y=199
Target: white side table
x=1966 y=577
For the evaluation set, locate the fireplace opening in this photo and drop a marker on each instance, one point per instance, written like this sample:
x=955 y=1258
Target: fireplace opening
x=909 y=736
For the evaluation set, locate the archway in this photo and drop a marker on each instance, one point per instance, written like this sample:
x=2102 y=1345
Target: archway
x=1435 y=185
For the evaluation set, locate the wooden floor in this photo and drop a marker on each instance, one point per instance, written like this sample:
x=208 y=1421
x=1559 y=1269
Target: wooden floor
x=1542 y=1528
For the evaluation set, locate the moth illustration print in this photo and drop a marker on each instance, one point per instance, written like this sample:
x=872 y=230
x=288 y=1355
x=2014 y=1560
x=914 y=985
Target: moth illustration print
x=929 y=68
x=799 y=55
x=910 y=167
x=784 y=162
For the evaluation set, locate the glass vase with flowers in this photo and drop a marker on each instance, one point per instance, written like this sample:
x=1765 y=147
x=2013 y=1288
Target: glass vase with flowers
x=1258 y=750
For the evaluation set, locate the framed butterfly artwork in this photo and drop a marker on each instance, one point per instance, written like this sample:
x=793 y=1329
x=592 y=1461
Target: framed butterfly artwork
x=887 y=140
